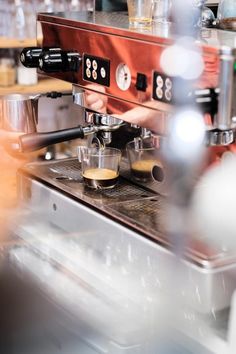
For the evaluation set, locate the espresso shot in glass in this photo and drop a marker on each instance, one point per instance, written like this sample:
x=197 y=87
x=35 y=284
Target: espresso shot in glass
x=100 y=167
x=144 y=158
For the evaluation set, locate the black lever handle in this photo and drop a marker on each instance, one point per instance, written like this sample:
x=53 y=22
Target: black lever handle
x=37 y=141
x=29 y=56
x=59 y=61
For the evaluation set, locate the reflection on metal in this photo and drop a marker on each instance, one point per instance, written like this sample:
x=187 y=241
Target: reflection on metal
x=78 y=95
x=19 y=113
x=111 y=34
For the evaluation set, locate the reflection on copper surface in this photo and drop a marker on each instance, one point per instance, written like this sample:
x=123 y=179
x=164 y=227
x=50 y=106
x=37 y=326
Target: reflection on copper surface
x=140 y=51
x=141 y=55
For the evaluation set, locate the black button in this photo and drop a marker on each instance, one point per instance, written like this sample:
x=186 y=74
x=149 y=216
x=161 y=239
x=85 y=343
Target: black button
x=141 y=82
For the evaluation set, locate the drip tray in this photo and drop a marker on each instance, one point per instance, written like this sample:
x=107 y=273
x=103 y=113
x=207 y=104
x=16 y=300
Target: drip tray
x=134 y=206
x=66 y=176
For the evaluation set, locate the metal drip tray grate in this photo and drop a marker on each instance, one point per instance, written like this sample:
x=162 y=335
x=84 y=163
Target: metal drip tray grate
x=145 y=213
x=147 y=216
x=66 y=175
x=69 y=169
x=138 y=208
x=122 y=192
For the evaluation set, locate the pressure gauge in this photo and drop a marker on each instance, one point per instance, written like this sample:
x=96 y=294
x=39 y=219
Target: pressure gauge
x=123 y=77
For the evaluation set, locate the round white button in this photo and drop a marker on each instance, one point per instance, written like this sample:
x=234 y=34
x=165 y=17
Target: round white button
x=159 y=93
x=95 y=65
x=103 y=73
x=168 y=95
x=88 y=63
x=95 y=75
x=168 y=84
x=88 y=73
x=159 y=81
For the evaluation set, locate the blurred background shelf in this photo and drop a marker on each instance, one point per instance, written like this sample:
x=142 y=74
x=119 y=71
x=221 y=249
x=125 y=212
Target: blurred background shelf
x=44 y=85
x=16 y=43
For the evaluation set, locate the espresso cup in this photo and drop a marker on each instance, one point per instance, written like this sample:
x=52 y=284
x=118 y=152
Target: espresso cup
x=100 y=167
x=144 y=158
x=140 y=13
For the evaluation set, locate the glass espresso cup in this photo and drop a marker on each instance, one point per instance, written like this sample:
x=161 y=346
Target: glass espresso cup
x=140 y=13
x=100 y=167
x=161 y=9
x=144 y=159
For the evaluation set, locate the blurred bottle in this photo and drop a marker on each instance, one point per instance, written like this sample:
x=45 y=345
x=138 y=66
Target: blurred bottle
x=81 y=5
x=19 y=20
x=52 y=6
x=30 y=15
x=46 y=6
x=74 y=5
x=60 y=5
x=26 y=76
x=5 y=15
x=7 y=72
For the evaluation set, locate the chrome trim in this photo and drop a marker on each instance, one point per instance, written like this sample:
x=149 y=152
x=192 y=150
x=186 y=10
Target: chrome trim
x=223 y=119
x=219 y=138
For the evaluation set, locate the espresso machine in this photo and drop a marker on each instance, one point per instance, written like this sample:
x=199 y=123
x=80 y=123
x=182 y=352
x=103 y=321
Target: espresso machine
x=103 y=256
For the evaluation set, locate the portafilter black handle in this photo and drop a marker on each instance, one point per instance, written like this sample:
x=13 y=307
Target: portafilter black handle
x=37 y=141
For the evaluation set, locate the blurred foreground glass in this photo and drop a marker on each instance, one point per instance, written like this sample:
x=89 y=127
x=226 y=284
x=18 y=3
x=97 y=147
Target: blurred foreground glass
x=19 y=20
x=161 y=11
x=140 y=13
x=100 y=167
x=143 y=158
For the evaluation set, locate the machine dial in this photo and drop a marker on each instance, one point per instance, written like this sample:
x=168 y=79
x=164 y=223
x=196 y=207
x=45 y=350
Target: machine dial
x=123 y=77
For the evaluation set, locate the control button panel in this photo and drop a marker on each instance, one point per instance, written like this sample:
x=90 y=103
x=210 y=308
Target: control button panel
x=96 y=70
x=162 y=88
